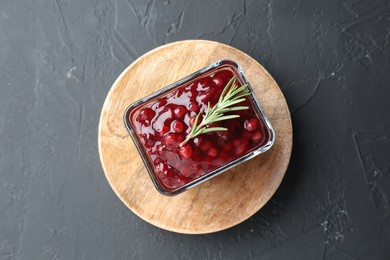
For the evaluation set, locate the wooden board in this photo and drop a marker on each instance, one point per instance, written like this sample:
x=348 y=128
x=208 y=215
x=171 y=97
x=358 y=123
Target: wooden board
x=221 y=202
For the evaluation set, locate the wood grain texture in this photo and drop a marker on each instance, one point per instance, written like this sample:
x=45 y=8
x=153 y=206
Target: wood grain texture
x=221 y=202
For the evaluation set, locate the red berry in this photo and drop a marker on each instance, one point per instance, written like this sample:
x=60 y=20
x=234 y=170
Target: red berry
x=145 y=116
x=180 y=112
x=256 y=137
x=251 y=124
x=179 y=138
x=160 y=149
x=169 y=140
x=205 y=145
x=162 y=130
x=148 y=140
x=247 y=135
x=177 y=126
x=197 y=140
x=212 y=152
x=223 y=134
x=193 y=107
x=186 y=151
x=241 y=148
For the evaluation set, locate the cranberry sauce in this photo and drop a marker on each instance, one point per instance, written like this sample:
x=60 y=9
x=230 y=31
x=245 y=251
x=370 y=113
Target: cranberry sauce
x=163 y=123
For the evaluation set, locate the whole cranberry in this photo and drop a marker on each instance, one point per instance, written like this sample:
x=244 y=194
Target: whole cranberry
x=256 y=137
x=162 y=130
x=241 y=148
x=145 y=116
x=149 y=140
x=198 y=140
x=251 y=124
x=170 y=140
x=179 y=138
x=185 y=151
x=177 y=126
x=193 y=107
x=205 y=145
x=180 y=112
x=212 y=152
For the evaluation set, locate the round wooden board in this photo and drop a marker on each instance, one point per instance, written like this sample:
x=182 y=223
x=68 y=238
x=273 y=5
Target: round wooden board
x=221 y=202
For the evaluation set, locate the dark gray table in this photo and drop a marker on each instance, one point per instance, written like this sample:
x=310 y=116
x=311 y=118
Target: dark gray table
x=59 y=58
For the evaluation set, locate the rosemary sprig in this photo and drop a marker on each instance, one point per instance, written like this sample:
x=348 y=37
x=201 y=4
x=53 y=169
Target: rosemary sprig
x=230 y=96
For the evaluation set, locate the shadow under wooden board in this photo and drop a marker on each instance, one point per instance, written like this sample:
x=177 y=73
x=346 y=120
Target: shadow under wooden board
x=221 y=202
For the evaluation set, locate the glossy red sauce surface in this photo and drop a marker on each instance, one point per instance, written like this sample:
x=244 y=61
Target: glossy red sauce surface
x=163 y=123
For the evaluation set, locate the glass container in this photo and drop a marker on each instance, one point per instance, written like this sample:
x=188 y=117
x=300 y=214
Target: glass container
x=159 y=123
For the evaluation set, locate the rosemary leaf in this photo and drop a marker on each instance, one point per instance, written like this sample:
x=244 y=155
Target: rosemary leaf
x=230 y=96
x=213 y=129
x=221 y=118
x=231 y=103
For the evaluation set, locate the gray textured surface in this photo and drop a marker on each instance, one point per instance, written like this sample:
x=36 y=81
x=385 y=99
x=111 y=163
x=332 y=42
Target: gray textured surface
x=58 y=60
